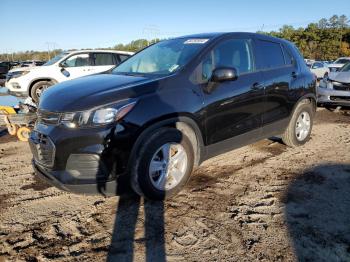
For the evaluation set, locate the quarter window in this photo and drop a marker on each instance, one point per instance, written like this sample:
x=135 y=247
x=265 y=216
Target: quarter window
x=123 y=57
x=288 y=57
x=77 y=60
x=271 y=54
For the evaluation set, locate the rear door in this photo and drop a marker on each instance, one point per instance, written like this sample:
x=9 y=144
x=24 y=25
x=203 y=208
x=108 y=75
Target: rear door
x=279 y=71
x=233 y=108
x=103 y=61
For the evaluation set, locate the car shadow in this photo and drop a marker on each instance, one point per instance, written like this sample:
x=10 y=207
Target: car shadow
x=317 y=211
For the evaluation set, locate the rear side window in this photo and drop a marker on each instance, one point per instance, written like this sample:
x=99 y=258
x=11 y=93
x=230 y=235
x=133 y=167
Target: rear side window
x=101 y=59
x=271 y=54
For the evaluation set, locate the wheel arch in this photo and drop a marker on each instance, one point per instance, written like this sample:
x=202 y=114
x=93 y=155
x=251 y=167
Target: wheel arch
x=183 y=123
x=34 y=81
x=310 y=97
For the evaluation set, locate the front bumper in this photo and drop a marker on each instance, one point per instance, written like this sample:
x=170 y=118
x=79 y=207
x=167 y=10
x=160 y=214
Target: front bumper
x=80 y=160
x=53 y=178
x=17 y=87
x=329 y=96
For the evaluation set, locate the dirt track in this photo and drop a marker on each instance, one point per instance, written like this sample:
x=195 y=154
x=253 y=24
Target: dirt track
x=263 y=202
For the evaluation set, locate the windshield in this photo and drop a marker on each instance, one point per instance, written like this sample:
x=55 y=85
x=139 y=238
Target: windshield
x=345 y=68
x=162 y=58
x=342 y=61
x=55 y=59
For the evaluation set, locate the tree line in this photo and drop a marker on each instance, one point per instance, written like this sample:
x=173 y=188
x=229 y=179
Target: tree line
x=327 y=39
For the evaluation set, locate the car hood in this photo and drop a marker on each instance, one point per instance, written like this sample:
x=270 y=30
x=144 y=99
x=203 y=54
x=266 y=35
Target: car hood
x=92 y=91
x=29 y=68
x=342 y=77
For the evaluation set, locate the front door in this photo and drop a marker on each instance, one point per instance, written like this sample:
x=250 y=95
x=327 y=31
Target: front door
x=75 y=66
x=233 y=108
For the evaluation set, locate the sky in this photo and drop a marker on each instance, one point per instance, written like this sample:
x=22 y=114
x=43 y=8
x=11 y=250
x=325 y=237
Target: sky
x=68 y=24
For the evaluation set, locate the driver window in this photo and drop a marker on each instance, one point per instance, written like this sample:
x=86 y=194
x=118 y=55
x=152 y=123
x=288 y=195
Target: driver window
x=234 y=53
x=77 y=60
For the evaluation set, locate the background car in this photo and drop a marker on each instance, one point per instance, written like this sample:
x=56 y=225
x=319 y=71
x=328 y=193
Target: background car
x=320 y=69
x=339 y=63
x=32 y=81
x=334 y=91
x=4 y=68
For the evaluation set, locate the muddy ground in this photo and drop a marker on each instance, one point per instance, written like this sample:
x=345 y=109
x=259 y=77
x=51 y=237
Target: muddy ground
x=263 y=202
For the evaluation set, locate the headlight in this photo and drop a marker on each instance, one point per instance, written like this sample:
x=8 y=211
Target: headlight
x=16 y=74
x=97 y=117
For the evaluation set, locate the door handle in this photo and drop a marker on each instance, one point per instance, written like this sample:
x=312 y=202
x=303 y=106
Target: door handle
x=257 y=86
x=294 y=74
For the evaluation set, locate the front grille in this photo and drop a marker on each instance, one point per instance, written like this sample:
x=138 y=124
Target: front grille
x=43 y=149
x=340 y=98
x=48 y=118
x=342 y=87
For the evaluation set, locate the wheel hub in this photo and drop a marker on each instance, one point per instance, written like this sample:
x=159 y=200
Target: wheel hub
x=302 y=127
x=168 y=166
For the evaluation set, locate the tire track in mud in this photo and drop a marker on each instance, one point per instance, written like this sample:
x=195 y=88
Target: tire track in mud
x=232 y=210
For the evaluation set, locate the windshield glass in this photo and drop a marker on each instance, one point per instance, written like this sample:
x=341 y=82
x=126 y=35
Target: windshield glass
x=342 y=61
x=55 y=59
x=345 y=68
x=162 y=58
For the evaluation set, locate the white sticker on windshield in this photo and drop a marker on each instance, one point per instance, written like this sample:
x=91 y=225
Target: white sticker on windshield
x=173 y=68
x=196 y=41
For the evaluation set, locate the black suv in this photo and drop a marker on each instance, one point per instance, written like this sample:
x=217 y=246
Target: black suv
x=168 y=108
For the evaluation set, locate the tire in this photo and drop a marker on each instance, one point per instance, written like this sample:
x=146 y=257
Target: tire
x=291 y=137
x=23 y=133
x=148 y=183
x=38 y=88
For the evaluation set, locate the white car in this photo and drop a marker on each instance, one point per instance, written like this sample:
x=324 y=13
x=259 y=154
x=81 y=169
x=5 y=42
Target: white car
x=320 y=69
x=65 y=66
x=339 y=63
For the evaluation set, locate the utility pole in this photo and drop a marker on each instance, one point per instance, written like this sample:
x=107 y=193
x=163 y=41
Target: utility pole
x=48 y=50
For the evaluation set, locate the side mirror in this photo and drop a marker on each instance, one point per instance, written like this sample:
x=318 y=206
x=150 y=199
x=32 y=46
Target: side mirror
x=62 y=64
x=222 y=74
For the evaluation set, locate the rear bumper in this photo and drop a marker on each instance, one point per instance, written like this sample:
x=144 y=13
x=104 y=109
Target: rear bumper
x=54 y=178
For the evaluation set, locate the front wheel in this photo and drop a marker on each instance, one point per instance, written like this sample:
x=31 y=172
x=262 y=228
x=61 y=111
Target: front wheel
x=299 y=129
x=38 y=88
x=163 y=164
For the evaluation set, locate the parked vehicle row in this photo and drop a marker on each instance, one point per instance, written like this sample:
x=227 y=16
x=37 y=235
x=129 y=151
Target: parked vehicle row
x=168 y=108
x=32 y=81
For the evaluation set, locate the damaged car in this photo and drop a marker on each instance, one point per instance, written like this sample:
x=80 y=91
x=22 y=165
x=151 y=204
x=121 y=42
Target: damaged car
x=334 y=91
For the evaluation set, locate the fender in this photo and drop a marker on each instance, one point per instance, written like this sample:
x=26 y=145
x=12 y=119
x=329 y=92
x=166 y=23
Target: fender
x=309 y=96
x=40 y=79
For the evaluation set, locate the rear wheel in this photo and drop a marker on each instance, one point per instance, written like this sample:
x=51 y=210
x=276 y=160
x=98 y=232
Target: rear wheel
x=299 y=129
x=163 y=164
x=38 y=88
